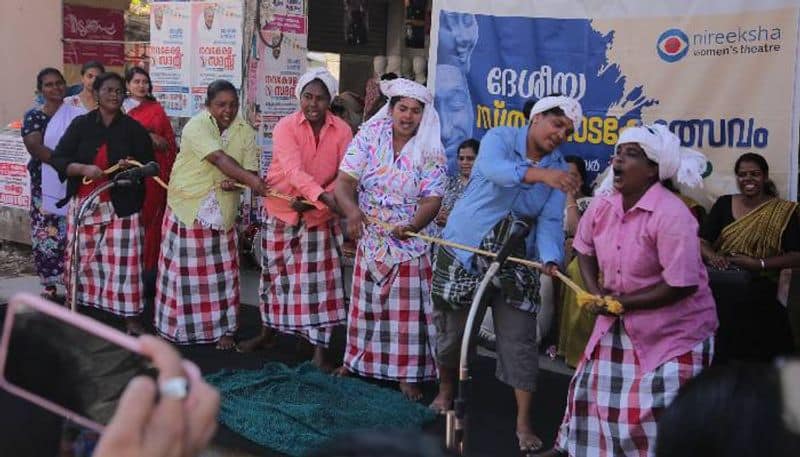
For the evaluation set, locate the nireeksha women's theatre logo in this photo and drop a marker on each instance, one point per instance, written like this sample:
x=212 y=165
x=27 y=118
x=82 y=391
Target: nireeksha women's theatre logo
x=672 y=45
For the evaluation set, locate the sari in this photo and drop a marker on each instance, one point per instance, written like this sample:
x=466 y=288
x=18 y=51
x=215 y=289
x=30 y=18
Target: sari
x=151 y=115
x=753 y=324
x=760 y=232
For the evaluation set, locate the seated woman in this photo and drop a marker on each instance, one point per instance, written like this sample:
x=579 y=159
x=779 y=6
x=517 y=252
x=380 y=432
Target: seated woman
x=757 y=234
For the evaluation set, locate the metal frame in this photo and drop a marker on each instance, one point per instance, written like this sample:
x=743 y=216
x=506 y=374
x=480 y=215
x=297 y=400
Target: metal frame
x=456 y=418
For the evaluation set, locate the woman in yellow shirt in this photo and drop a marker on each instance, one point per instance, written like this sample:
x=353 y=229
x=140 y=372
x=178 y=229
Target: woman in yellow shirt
x=197 y=290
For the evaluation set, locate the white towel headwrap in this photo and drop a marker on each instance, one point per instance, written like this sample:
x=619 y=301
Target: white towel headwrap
x=429 y=136
x=663 y=147
x=323 y=75
x=570 y=107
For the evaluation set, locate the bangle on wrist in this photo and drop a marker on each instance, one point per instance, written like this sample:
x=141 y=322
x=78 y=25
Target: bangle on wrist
x=763 y=264
x=572 y=206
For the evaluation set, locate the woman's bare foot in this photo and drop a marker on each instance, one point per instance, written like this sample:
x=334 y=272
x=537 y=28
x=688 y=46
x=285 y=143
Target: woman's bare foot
x=226 y=343
x=341 y=372
x=321 y=360
x=411 y=391
x=443 y=401
x=528 y=440
x=134 y=327
x=265 y=340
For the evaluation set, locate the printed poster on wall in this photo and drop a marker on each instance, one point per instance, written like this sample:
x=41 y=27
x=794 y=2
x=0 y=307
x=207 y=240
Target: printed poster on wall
x=281 y=41
x=723 y=78
x=275 y=58
x=192 y=45
x=216 y=46
x=14 y=179
x=170 y=66
x=93 y=34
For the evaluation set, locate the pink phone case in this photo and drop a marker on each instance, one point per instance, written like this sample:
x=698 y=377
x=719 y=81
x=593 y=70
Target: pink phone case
x=69 y=318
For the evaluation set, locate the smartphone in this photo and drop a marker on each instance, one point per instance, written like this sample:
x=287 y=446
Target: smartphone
x=65 y=362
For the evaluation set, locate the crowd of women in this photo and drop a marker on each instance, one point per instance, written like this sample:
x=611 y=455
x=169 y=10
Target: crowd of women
x=665 y=291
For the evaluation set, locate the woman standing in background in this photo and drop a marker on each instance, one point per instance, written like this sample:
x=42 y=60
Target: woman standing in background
x=143 y=107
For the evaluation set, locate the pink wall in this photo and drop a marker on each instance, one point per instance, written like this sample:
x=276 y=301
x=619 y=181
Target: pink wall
x=31 y=40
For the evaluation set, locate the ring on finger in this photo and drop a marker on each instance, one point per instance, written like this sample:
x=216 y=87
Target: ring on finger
x=177 y=388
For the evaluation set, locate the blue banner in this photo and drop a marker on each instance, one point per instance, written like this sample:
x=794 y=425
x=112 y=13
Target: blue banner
x=488 y=67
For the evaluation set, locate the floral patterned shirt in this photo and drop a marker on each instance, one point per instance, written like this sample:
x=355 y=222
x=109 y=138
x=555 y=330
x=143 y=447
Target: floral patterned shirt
x=389 y=189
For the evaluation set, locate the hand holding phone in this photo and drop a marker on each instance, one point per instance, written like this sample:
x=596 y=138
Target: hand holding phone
x=88 y=372
x=172 y=426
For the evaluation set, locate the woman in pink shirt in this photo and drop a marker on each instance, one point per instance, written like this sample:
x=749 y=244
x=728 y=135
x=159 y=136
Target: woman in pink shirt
x=644 y=241
x=302 y=290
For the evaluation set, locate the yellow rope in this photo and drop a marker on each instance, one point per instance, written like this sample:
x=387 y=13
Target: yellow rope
x=611 y=305
x=116 y=167
x=528 y=263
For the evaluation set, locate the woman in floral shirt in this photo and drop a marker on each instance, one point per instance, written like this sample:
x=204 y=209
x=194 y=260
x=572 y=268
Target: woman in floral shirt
x=394 y=173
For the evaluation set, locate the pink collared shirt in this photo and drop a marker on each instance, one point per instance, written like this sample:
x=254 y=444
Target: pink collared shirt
x=301 y=167
x=655 y=240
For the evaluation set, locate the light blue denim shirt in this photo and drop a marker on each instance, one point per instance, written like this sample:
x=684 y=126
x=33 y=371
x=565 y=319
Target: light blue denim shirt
x=495 y=189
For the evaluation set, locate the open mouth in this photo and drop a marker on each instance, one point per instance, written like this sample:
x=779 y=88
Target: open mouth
x=749 y=187
x=618 y=174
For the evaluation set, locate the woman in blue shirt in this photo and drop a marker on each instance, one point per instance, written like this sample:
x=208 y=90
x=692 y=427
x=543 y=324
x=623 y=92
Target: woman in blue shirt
x=519 y=173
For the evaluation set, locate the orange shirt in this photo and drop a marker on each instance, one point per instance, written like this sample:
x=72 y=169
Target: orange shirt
x=304 y=168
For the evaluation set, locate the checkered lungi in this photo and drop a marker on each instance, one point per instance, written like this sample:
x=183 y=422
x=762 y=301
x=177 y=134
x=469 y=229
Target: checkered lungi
x=390 y=330
x=453 y=287
x=301 y=289
x=612 y=407
x=197 y=290
x=110 y=259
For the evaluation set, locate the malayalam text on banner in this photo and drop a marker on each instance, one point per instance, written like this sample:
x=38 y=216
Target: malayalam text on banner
x=722 y=78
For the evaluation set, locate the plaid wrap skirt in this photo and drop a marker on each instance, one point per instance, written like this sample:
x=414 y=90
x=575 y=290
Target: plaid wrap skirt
x=453 y=286
x=197 y=288
x=110 y=259
x=390 y=330
x=302 y=290
x=613 y=407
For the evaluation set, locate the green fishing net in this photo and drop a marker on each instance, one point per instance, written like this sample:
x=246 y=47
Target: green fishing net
x=295 y=409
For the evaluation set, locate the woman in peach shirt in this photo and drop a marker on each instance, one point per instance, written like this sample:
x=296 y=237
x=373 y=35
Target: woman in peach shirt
x=302 y=290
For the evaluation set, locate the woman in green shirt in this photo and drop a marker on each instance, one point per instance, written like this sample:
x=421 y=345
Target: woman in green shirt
x=197 y=290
